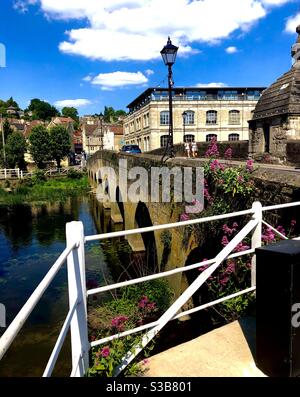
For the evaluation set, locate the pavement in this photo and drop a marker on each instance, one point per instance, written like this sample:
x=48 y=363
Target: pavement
x=228 y=351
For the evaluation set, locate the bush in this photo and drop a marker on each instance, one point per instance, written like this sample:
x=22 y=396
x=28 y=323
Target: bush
x=135 y=306
x=74 y=174
x=38 y=177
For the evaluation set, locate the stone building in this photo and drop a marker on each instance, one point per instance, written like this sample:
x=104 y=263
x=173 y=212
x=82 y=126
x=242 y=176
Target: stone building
x=276 y=118
x=198 y=113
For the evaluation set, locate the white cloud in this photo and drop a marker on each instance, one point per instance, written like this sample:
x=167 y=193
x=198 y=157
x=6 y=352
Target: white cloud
x=231 y=50
x=138 y=29
x=211 y=85
x=76 y=103
x=88 y=78
x=275 y=2
x=149 y=72
x=292 y=23
x=108 y=81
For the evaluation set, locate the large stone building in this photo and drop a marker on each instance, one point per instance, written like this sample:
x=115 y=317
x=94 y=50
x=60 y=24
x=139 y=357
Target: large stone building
x=198 y=113
x=276 y=119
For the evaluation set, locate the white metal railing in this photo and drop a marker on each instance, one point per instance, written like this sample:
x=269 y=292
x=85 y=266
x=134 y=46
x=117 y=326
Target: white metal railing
x=16 y=173
x=76 y=318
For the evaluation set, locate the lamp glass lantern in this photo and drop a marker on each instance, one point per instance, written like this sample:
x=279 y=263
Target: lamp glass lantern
x=169 y=53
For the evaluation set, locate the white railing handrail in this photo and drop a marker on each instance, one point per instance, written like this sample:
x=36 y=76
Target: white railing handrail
x=9 y=335
x=74 y=253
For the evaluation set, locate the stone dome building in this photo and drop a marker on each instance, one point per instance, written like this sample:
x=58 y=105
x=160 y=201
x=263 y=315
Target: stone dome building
x=276 y=118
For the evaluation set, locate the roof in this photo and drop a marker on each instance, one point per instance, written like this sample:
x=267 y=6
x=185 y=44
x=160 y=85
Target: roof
x=30 y=125
x=117 y=129
x=283 y=96
x=62 y=120
x=146 y=95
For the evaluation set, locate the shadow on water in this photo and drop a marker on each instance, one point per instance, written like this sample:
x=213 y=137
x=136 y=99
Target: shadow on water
x=31 y=239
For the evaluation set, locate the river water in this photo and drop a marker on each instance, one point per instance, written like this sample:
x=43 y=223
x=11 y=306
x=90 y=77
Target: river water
x=31 y=239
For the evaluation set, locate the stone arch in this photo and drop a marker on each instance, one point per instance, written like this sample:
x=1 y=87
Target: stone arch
x=143 y=219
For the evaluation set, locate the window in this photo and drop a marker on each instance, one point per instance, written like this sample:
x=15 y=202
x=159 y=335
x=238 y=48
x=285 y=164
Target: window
x=189 y=138
x=164 y=140
x=211 y=117
x=189 y=117
x=164 y=118
x=210 y=137
x=233 y=137
x=234 y=117
x=228 y=95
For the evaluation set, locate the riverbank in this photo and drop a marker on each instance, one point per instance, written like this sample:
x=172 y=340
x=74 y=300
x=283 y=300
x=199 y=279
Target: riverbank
x=35 y=190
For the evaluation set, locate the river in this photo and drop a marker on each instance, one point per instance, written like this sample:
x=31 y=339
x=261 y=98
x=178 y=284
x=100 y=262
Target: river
x=31 y=239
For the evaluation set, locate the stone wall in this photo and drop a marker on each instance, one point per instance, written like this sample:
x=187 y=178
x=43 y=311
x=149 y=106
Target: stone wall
x=239 y=149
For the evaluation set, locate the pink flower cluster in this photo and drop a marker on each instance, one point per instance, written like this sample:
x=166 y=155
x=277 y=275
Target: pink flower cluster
x=216 y=165
x=146 y=304
x=184 y=217
x=118 y=322
x=249 y=166
x=207 y=195
x=228 y=153
x=105 y=352
x=229 y=231
x=268 y=236
x=212 y=150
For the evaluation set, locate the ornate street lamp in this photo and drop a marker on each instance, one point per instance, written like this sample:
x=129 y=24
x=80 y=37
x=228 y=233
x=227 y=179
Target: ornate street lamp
x=168 y=54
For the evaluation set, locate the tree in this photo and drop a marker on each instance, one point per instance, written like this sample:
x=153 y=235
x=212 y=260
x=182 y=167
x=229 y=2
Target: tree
x=70 y=112
x=15 y=149
x=39 y=140
x=111 y=115
x=11 y=102
x=7 y=130
x=42 y=110
x=60 y=144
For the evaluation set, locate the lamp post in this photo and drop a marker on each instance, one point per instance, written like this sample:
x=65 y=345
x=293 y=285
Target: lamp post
x=101 y=117
x=168 y=54
x=3 y=140
x=184 y=114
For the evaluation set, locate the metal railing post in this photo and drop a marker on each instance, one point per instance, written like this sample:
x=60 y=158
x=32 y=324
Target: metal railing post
x=77 y=291
x=256 y=238
x=18 y=173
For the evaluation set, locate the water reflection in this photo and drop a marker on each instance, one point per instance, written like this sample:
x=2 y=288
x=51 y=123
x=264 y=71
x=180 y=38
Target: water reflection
x=31 y=238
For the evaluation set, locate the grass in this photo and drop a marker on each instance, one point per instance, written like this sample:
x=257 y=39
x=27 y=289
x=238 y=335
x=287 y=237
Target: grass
x=55 y=189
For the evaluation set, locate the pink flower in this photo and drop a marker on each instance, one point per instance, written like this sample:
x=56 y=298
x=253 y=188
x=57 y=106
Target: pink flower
x=224 y=280
x=268 y=236
x=118 y=322
x=225 y=241
x=230 y=268
x=281 y=230
x=184 y=217
x=212 y=150
x=249 y=165
x=241 y=247
x=227 y=230
x=145 y=361
x=105 y=352
x=240 y=179
x=228 y=153
x=293 y=223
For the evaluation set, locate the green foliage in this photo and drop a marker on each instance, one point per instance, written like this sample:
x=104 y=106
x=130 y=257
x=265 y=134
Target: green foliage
x=38 y=177
x=111 y=115
x=70 y=112
x=42 y=110
x=7 y=130
x=135 y=305
x=39 y=140
x=15 y=149
x=74 y=174
x=39 y=190
x=60 y=143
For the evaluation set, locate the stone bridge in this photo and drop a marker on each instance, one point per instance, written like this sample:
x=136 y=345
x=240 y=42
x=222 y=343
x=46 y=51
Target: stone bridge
x=165 y=250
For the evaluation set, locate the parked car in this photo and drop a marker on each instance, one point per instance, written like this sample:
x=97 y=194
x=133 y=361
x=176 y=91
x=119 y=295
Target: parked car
x=134 y=149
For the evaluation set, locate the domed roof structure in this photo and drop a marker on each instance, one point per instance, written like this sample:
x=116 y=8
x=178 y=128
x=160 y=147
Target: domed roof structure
x=283 y=96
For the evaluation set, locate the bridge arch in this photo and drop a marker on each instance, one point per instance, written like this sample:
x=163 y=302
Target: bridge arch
x=143 y=219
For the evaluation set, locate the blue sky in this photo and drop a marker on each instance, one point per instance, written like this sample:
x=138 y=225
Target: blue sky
x=93 y=53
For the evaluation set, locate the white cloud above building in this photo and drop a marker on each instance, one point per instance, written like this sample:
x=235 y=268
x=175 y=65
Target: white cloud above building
x=120 y=30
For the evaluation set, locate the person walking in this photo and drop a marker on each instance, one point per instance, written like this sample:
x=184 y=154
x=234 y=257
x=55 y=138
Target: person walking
x=194 y=149
x=187 y=148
